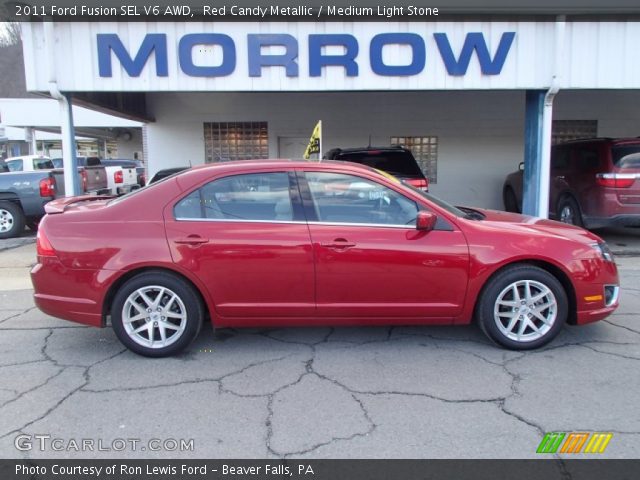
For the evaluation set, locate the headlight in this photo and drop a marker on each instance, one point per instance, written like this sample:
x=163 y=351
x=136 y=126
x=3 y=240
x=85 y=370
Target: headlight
x=604 y=250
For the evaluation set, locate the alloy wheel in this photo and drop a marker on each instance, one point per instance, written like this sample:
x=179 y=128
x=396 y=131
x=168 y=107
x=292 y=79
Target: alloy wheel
x=6 y=220
x=154 y=316
x=525 y=310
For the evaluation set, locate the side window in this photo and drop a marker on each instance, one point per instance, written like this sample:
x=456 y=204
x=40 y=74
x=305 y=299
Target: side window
x=560 y=158
x=258 y=196
x=340 y=198
x=587 y=159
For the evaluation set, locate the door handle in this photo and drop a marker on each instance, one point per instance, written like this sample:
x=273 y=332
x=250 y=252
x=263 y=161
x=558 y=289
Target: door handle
x=338 y=243
x=191 y=240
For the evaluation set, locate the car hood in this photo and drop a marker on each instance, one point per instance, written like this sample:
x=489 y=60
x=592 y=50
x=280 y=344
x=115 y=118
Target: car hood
x=528 y=224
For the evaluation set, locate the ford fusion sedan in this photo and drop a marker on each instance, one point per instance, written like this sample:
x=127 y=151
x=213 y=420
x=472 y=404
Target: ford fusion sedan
x=289 y=243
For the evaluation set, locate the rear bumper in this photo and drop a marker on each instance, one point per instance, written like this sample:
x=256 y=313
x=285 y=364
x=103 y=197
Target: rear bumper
x=127 y=188
x=623 y=220
x=78 y=298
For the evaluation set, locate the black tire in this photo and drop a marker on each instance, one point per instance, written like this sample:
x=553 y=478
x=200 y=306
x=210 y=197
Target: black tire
x=510 y=201
x=498 y=288
x=568 y=211
x=189 y=305
x=32 y=224
x=11 y=220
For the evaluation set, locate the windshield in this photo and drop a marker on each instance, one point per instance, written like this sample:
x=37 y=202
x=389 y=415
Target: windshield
x=394 y=162
x=439 y=202
x=626 y=156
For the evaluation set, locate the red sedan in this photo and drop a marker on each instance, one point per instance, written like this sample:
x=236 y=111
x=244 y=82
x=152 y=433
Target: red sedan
x=292 y=243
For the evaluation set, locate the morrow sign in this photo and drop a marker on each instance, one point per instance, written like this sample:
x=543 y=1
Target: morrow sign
x=259 y=54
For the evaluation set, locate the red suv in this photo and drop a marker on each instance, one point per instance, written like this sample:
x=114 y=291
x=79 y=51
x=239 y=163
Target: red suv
x=594 y=183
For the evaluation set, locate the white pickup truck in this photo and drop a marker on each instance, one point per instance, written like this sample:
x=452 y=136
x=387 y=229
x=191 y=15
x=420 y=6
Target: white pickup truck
x=122 y=175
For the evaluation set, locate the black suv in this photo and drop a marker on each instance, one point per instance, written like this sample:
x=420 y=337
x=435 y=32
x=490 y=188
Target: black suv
x=396 y=160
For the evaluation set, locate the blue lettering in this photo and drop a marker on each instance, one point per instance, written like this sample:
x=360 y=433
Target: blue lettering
x=474 y=41
x=185 y=48
x=287 y=60
x=153 y=42
x=347 y=60
x=413 y=40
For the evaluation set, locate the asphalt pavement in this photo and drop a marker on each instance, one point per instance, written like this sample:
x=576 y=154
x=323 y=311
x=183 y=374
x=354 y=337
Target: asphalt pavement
x=404 y=392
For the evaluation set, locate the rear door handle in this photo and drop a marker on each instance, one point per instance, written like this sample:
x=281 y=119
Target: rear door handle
x=191 y=240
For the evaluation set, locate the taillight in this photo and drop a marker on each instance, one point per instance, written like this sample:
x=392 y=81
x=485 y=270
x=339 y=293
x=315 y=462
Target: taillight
x=118 y=176
x=83 y=176
x=48 y=187
x=143 y=180
x=420 y=183
x=616 y=180
x=43 y=245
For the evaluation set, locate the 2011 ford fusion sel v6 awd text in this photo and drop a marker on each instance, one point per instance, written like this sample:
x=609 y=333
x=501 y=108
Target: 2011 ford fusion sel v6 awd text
x=288 y=243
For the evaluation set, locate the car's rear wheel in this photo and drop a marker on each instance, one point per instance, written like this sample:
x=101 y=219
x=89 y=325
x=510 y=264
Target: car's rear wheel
x=510 y=201
x=11 y=220
x=523 y=307
x=569 y=211
x=156 y=314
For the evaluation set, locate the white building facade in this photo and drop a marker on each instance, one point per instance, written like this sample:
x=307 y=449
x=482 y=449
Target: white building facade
x=452 y=91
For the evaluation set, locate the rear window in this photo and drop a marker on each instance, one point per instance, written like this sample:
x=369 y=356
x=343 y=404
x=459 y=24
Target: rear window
x=14 y=165
x=42 y=164
x=626 y=156
x=396 y=163
x=93 y=162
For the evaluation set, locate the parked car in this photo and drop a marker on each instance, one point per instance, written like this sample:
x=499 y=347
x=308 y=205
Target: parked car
x=594 y=183
x=396 y=160
x=122 y=175
x=28 y=163
x=266 y=243
x=94 y=179
x=160 y=174
x=22 y=199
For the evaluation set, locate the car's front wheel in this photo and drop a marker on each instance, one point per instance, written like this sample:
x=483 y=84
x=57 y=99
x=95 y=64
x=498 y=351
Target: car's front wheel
x=156 y=314
x=522 y=307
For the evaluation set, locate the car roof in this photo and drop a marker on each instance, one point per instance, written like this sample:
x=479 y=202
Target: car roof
x=392 y=148
x=601 y=140
x=27 y=157
x=239 y=166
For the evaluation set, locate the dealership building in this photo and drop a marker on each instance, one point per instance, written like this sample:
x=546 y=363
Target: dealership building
x=471 y=98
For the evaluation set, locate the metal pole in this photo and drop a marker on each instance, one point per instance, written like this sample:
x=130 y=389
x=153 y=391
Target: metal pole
x=69 y=160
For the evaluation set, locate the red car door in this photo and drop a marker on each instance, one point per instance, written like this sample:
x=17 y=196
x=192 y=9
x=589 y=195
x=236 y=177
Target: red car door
x=246 y=239
x=370 y=259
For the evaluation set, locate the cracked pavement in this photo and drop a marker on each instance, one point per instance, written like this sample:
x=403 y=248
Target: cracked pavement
x=402 y=392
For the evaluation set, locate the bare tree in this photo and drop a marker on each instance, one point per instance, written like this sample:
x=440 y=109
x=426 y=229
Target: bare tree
x=10 y=33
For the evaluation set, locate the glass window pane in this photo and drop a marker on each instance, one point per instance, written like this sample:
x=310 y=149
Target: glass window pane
x=340 y=198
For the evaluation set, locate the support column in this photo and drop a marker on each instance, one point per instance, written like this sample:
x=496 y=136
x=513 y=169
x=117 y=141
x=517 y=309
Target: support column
x=532 y=196
x=70 y=162
x=30 y=138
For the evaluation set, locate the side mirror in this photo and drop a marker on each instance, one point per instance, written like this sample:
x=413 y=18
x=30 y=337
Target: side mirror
x=426 y=221
x=521 y=166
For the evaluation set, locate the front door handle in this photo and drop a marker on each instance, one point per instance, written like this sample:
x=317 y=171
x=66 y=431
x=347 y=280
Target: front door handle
x=191 y=240
x=338 y=244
